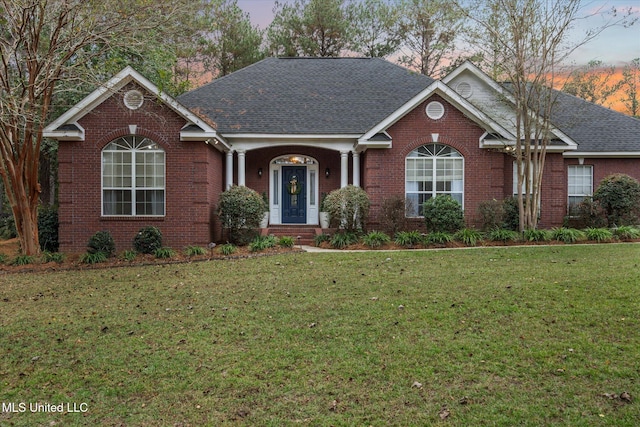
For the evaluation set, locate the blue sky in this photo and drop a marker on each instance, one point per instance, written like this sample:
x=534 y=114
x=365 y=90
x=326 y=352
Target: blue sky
x=614 y=46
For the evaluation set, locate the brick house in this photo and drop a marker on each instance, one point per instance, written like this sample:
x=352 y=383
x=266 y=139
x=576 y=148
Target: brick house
x=130 y=155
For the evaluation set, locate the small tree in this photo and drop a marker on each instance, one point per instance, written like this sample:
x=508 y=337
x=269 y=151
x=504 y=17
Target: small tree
x=348 y=208
x=394 y=216
x=42 y=44
x=443 y=214
x=630 y=85
x=619 y=196
x=240 y=209
x=529 y=46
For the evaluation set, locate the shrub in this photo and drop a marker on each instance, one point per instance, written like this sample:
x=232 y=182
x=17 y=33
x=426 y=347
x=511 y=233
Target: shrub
x=393 y=217
x=443 y=214
x=286 y=242
x=228 y=249
x=348 y=208
x=503 y=235
x=619 y=196
x=626 y=232
x=7 y=227
x=93 y=258
x=319 y=238
x=194 y=251
x=23 y=260
x=147 y=240
x=129 y=255
x=586 y=214
x=510 y=214
x=566 y=235
x=438 y=238
x=240 y=210
x=3 y=258
x=48 y=229
x=468 y=236
x=375 y=239
x=101 y=241
x=535 y=235
x=52 y=257
x=491 y=214
x=261 y=243
x=344 y=239
x=408 y=238
x=164 y=253
x=598 y=234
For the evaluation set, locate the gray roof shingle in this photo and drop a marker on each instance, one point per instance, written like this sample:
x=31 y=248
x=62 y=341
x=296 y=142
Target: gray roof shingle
x=306 y=96
x=595 y=128
x=352 y=95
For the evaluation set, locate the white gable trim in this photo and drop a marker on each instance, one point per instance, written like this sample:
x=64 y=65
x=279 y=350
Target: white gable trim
x=98 y=96
x=451 y=96
x=468 y=66
x=477 y=72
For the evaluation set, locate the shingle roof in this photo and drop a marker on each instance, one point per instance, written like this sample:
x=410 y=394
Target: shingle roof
x=306 y=96
x=595 y=128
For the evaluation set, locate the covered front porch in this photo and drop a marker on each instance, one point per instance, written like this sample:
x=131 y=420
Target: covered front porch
x=293 y=177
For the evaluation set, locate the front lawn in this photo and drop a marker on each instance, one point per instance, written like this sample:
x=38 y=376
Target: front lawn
x=525 y=336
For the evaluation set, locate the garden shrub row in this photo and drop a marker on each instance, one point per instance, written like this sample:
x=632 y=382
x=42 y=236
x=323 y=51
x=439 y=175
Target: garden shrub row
x=473 y=237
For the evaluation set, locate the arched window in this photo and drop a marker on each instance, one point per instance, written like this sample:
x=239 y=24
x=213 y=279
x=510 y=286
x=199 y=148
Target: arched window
x=431 y=170
x=133 y=177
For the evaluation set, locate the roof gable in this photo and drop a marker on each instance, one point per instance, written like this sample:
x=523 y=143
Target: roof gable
x=438 y=87
x=66 y=127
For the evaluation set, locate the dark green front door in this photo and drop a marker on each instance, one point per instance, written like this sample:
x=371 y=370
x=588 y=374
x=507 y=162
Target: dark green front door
x=294 y=195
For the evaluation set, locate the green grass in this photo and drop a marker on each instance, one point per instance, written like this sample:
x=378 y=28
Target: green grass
x=525 y=336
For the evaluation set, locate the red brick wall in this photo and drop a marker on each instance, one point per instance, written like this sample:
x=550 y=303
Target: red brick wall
x=384 y=169
x=193 y=178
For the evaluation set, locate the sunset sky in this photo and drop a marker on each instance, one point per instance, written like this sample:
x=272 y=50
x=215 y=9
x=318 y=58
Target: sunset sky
x=614 y=46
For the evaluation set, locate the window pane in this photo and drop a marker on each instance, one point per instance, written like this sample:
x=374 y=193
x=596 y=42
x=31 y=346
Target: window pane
x=276 y=186
x=580 y=180
x=116 y=202
x=312 y=188
x=150 y=202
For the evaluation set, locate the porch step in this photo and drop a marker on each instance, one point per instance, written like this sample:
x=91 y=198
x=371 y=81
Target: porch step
x=305 y=232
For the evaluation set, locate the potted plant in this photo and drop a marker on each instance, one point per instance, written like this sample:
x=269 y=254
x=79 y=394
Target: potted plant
x=324 y=215
x=264 y=223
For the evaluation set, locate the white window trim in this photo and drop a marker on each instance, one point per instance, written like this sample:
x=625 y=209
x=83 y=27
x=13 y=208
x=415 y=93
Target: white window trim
x=434 y=192
x=582 y=195
x=133 y=187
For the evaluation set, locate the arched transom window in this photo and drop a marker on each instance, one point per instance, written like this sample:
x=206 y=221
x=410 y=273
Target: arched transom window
x=431 y=170
x=133 y=177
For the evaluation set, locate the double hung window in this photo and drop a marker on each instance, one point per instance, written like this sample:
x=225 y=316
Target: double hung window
x=432 y=170
x=133 y=178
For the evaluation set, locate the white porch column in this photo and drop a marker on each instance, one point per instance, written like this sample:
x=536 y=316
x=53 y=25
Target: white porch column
x=229 y=179
x=344 y=169
x=241 y=167
x=356 y=169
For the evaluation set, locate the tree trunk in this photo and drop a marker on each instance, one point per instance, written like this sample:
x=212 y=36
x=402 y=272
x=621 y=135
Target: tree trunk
x=26 y=219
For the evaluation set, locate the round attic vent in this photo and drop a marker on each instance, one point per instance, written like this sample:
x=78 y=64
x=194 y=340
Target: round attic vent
x=133 y=99
x=435 y=110
x=464 y=89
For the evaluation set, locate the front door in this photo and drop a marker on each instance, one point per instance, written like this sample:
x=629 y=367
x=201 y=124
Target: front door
x=294 y=195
